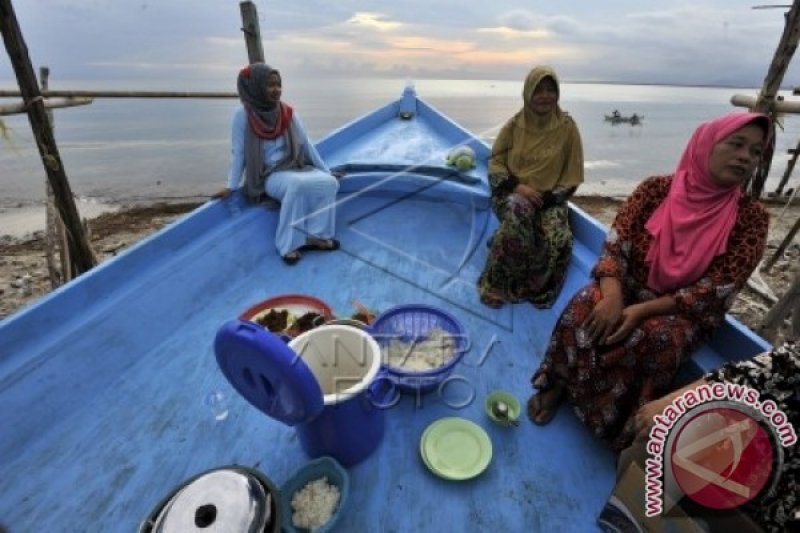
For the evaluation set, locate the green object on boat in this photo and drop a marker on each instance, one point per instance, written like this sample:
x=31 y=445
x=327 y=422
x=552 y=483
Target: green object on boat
x=462 y=157
x=455 y=449
x=512 y=403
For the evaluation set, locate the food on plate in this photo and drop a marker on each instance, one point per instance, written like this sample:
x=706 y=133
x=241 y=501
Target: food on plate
x=284 y=321
x=363 y=314
x=275 y=320
x=306 y=322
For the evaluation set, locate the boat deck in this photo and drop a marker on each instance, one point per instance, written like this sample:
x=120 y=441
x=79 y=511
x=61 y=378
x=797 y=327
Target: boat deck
x=103 y=382
x=117 y=417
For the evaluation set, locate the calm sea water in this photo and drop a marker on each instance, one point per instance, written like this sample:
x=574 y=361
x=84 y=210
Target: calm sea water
x=143 y=150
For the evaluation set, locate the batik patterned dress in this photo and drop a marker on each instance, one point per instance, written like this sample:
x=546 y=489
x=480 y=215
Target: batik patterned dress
x=531 y=249
x=606 y=385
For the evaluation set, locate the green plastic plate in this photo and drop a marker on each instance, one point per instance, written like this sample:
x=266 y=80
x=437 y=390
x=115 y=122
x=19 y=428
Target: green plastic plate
x=455 y=448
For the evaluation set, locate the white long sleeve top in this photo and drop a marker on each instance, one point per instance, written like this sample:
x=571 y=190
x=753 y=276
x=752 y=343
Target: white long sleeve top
x=274 y=150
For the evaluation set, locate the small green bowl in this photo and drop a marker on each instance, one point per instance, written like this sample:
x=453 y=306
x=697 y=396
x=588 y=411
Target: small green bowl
x=510 y=400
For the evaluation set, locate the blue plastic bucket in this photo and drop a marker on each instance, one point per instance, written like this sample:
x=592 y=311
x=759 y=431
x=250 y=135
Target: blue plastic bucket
x=326 y=383
x=345 y=362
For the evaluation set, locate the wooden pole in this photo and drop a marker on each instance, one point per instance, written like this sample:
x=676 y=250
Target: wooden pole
x=44 y=79
x=775 y=317
x=79 y=93
x=80 y=251
x=252 y=32
x=789 y=169
x=767 y=98
x=778 y=106
x=52 y=222
x=784 y=244
x=796 y=319
x=780 y=61
x=51 y=103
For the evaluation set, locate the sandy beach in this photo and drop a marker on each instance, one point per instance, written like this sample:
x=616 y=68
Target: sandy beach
x=24 y=275
x=24 y=221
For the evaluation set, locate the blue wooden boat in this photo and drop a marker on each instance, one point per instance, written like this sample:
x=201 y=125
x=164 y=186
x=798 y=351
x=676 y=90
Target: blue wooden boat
x=103 y=382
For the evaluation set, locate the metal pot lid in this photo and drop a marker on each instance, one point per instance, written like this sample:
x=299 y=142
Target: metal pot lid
x=224 y=500
x=268 y=373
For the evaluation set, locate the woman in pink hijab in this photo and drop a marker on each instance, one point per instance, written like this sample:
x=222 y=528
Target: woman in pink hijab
x=679 y=250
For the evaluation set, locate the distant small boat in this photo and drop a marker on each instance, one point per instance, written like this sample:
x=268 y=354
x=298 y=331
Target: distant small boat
x=633 y=120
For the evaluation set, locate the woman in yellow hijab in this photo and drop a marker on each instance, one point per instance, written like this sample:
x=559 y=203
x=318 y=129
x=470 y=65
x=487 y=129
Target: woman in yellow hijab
x=536 y=165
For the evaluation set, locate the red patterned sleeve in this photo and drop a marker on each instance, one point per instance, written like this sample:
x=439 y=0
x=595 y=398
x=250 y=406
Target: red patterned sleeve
x=708 y=299
x=629 y=222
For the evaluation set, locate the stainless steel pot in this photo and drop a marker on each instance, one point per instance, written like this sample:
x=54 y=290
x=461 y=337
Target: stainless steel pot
x=230 y=498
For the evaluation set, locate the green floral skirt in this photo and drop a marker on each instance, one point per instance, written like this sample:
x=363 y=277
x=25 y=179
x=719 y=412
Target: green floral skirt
x=530 y=252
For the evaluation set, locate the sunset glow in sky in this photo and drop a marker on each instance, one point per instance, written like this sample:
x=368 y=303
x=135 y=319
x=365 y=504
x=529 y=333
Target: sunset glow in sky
x=175 y=43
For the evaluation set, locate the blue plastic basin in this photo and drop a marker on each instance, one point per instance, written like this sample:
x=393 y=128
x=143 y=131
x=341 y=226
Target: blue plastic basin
x=410 y=323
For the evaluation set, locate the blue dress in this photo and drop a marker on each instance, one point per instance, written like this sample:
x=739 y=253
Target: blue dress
x=307 y=195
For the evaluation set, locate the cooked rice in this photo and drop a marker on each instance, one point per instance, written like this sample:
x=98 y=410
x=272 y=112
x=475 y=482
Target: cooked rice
x=314 y=504
x=433 y=352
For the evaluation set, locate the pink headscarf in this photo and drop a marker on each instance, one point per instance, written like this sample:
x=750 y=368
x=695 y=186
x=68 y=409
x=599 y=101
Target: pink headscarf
x=691 y=226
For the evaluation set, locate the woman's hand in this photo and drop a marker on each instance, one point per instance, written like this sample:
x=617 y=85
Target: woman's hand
x=634 y=315
x=604 y=318
x=224 y=193
x=530 y=194
x=631 y=317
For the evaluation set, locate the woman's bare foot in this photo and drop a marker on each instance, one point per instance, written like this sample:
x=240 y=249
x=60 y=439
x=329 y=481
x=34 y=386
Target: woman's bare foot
x=542 y=406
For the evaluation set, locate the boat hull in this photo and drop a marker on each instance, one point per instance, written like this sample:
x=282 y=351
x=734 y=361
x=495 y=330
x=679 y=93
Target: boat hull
x=103 y=382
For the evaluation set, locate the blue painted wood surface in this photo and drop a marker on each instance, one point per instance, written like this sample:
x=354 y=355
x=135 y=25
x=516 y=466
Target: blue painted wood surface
x=103 y=382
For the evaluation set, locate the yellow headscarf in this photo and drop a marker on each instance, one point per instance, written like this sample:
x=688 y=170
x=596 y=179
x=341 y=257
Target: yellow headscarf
x=543 y=152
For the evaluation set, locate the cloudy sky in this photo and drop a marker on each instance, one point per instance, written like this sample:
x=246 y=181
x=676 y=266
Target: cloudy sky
x=186 y=44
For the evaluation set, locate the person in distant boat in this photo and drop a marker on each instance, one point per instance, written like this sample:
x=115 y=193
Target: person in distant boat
x=679 y=250
x=536 y=165
x=616 y=114
x=773 y=376
x=271 y=148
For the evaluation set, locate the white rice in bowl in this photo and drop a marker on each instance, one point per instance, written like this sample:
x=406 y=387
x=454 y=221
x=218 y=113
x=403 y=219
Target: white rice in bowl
x=428 y=354
x=314 y=504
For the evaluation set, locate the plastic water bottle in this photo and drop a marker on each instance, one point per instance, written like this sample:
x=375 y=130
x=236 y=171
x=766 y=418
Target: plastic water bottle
x=216 y=401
